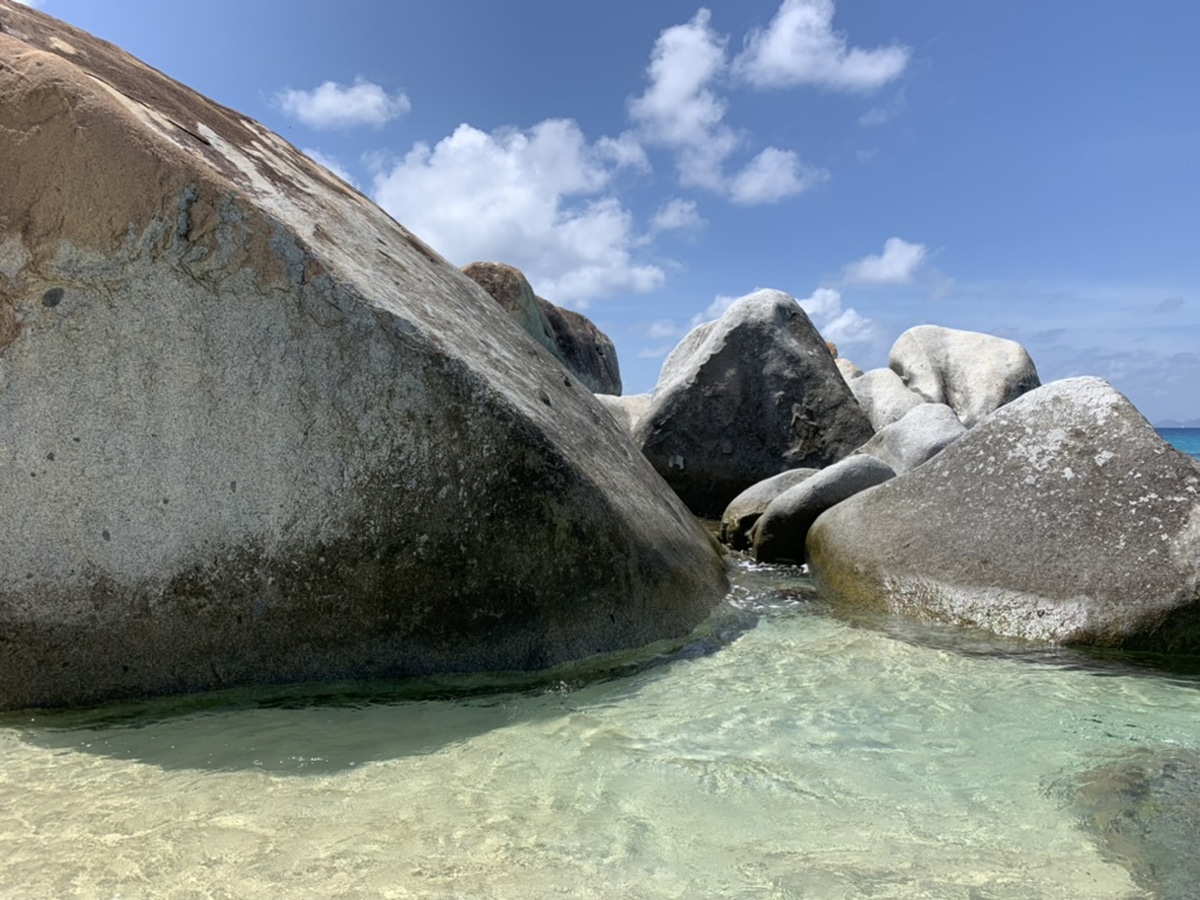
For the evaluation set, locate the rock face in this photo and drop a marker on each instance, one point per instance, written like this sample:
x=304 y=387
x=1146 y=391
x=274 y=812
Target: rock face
x=744 y=509
x=627 y=409
x=747 y=397
x=1062 y=517
x=255 y=431
x=925 y=431
x=583 y=349
x=973 y=373
x=779 y=533
x=884 y=396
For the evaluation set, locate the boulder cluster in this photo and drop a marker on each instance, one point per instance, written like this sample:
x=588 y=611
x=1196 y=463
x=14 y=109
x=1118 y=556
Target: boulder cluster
x=256 y=431
x=950 y=485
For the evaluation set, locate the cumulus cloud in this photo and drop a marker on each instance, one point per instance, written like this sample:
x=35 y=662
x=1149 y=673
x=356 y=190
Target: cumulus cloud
x=836 y=323
x=681 y=111
x=799 y=46
x=677 y=215
x=896 y=265
x=772 y=176
x=534 y=199
x=333 y=105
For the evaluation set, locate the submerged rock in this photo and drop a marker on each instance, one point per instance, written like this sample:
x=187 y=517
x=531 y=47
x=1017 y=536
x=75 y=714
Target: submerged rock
x=971 y=372
x=779 y=533
x=256 y=431
x=1062 y=517
x=1144 y=811
x=746 y=397
x=583 y=349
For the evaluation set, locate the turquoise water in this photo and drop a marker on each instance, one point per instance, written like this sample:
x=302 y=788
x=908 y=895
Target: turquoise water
x=1185 y=439
x=782 y=752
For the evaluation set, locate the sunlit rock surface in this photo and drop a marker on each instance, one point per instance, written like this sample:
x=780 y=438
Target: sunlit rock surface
x=1061 y=517
x=253 y=430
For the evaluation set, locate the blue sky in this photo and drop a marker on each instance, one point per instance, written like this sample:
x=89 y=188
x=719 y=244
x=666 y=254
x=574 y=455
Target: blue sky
x=1029 y=169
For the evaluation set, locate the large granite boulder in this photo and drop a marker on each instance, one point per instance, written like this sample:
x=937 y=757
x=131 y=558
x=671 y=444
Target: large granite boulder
x=1062 y=517
x=583 y=349
x=884 y=396
x=925 y=431
x=627 y=409
x=779 y=533
x=746 y=397
x=971 y=372
x=744 y=509
x=255 y=431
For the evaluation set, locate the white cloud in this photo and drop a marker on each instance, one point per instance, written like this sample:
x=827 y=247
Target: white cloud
x=835 y=323
x=884 y=113
x=679 y=110
x=334 y=105
x=772 y=176
x=531 y=199
x=329 y=163
x=801 y=47
x=677 y=215
x=896 y=265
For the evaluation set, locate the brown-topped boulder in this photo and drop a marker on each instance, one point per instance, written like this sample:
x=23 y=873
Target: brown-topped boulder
x=583 y=349
x=253 y=430
x=753 y=394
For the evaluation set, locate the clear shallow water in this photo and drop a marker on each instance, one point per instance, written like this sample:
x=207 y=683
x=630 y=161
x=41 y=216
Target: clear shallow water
x=784 y=753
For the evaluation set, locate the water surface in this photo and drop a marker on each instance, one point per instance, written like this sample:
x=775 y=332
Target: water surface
x=784 y=752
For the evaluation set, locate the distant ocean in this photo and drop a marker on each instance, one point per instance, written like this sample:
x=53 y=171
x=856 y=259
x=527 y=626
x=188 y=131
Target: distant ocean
x=1185 y=439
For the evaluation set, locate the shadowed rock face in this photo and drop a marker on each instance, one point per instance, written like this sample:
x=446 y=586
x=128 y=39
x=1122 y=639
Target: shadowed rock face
x=253 y=430
x=744 y=398
x=1061 y=517
x=584 y=350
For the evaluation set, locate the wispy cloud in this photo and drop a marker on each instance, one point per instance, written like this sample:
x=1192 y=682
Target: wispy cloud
x=896 y=265
x=333 y=105
x=799 y=46
x=677 y=215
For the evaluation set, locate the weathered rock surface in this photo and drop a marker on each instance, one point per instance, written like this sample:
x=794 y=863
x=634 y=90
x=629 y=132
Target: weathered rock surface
x=746 y=397
x=1062 y=517
x=848 y=369
x=925 y=431
x=252 y=430
x=974 y=373
x=884 y=396
x=744 y=509
x=627 y=409
x=779 y=533
x=583 y=349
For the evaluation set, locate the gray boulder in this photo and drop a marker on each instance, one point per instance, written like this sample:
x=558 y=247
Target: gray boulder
x=584 y=350
x=255 y=431
x=744 y=509
x=971 y=372
x=848 y=369
x=1062 y=517
x=746 y=397
x=884 y=396
x=779 y=533
x=627 y=409
x=925 y=431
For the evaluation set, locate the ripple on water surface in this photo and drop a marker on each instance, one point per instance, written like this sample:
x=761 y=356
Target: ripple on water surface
x=783 y=752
